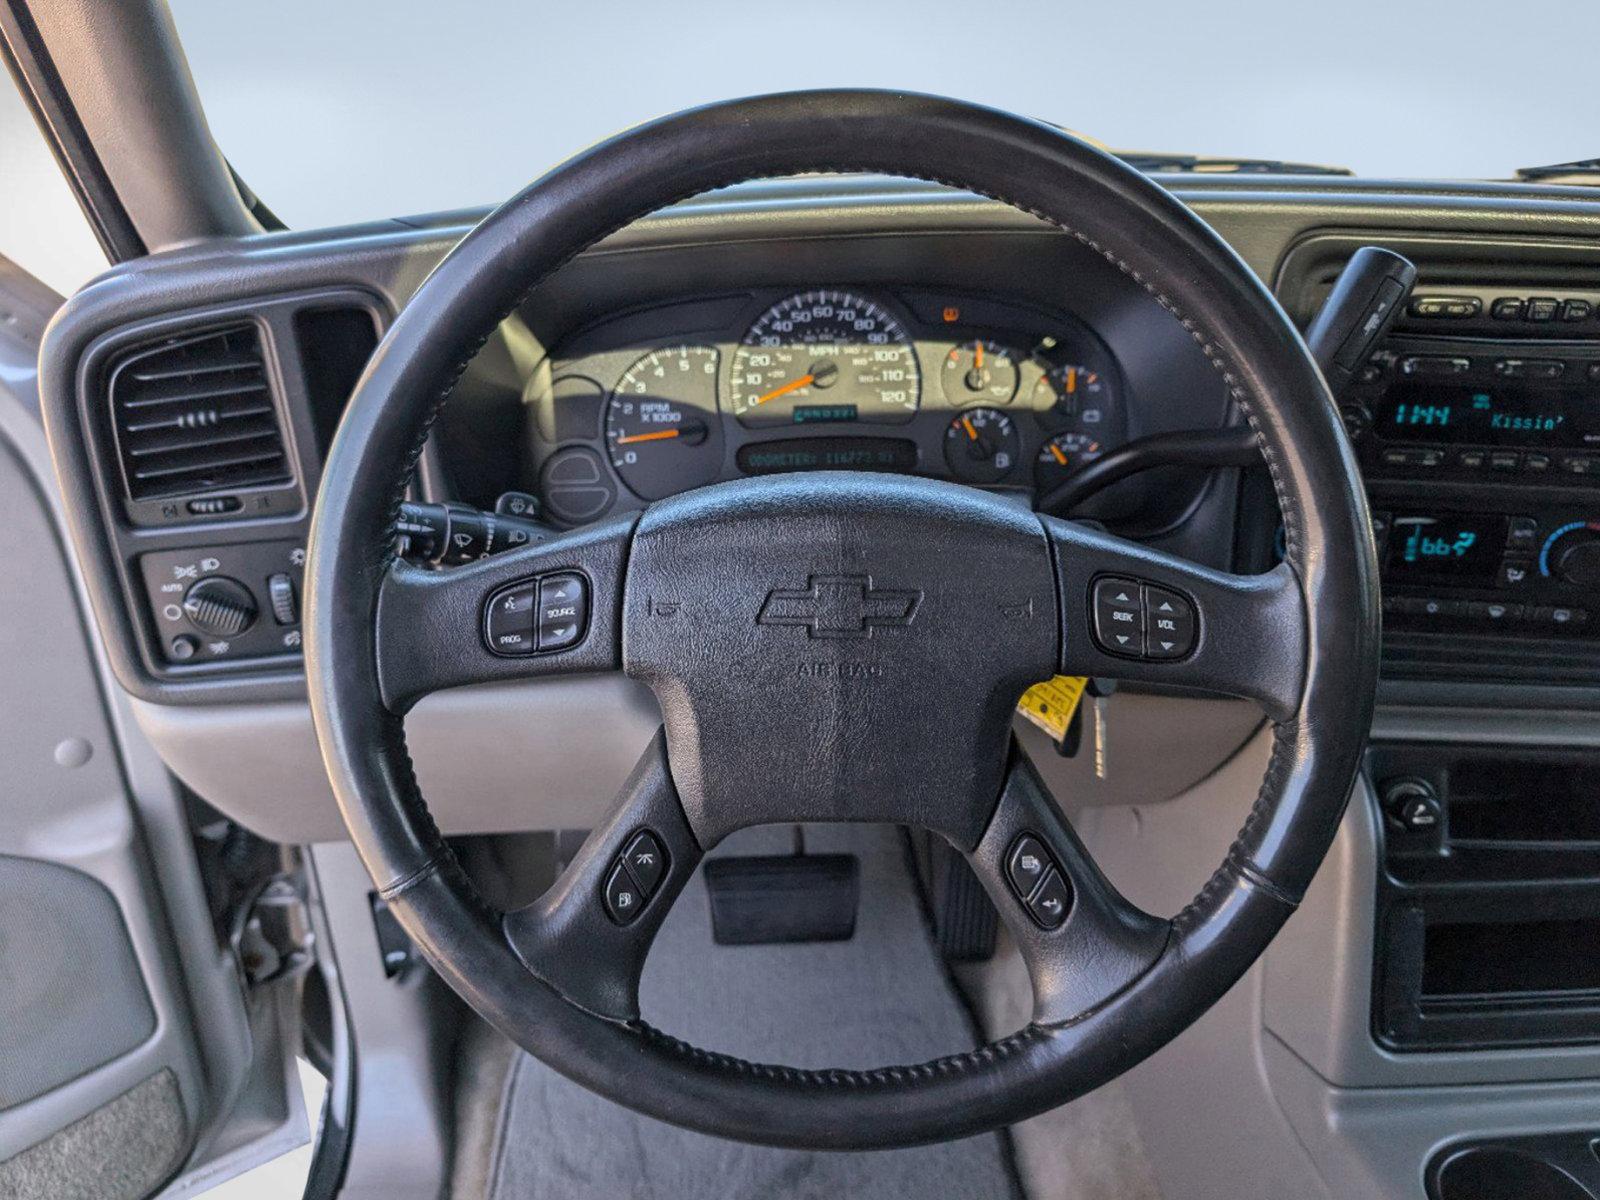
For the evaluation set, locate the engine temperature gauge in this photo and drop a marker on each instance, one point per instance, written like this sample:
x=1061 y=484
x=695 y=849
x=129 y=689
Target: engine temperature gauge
x=982 y=446
x=1063 y=456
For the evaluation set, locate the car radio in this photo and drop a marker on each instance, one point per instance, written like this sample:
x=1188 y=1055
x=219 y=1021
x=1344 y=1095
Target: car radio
x=1435 y=408
x=1478 y=455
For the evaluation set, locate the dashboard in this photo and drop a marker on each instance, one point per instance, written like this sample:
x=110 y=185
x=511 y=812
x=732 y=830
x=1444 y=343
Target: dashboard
x=855 y=324
x=972 y=388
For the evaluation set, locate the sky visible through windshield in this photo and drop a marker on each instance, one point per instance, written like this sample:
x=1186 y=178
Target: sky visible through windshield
x=343 y=110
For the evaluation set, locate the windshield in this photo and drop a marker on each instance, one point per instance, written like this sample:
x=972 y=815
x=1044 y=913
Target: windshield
x=338 y=111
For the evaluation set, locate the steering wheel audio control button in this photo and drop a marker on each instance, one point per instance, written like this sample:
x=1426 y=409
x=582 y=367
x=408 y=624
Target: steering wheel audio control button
x=537 y=615
x=509 y=621
x=1169 y=623
x=623 y=897
x=1119 y=617
x=1026 y=865
x=1036 y=879
x=1135 y=619
x=1049 y=905
x=645 y=862
x=563 y=611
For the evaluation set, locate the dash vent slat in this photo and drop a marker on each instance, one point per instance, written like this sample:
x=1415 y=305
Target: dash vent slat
x=195 y=414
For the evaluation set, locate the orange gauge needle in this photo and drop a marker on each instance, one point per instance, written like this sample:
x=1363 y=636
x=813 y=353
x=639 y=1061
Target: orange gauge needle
x=791 y=386
x=657 y=436
x=977 y=355
x=1072 y=380
x=971 y=432
x=1055 y=451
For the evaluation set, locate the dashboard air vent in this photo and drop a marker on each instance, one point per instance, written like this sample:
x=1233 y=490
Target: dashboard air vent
x=195 y=414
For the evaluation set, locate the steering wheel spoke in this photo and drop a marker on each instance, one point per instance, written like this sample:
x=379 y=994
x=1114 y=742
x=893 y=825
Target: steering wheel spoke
x=1130 y=612
x=588 y=936
x=546 y=609
x=1082 y=941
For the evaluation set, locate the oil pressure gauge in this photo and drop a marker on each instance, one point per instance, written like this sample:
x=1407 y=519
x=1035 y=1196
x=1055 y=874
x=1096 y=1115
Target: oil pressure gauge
x=979 y=371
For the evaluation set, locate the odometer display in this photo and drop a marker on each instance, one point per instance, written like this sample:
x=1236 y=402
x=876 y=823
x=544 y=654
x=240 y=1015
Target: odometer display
x=825 y=349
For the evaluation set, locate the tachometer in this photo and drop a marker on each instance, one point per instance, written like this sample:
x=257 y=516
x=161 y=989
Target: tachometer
x=825 y=356
x=661 y=425
x=1062 y=456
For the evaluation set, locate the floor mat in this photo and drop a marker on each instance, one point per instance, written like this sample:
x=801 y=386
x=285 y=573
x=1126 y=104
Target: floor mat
x=882 y=997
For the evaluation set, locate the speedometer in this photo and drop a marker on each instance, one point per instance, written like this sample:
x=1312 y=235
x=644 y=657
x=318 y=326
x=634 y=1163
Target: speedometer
x=825 y=356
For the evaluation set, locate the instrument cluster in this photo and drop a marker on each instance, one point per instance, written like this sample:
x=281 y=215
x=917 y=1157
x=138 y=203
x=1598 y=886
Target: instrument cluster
x=971 y=388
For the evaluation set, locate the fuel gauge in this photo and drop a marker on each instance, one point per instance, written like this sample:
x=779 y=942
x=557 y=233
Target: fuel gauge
x=982 y=446
x=979 y=372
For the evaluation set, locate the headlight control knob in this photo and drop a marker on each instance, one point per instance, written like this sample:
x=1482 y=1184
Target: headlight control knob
x=220 y=606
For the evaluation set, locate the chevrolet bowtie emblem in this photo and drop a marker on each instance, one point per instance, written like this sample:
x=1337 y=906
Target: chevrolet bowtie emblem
x=839 y=606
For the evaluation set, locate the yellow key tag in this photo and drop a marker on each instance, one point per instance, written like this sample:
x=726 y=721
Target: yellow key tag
x=1050 y=704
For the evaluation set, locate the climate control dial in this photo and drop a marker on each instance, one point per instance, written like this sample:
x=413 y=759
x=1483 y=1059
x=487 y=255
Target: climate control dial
x=1571 y=554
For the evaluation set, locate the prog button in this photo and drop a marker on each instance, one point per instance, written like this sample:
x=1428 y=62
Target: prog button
x=509 y=622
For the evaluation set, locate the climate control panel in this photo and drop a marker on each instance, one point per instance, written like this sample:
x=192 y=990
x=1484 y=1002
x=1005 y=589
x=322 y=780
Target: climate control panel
x=1530 y=573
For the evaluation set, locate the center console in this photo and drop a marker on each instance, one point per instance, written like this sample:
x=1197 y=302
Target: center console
x=1477 y=427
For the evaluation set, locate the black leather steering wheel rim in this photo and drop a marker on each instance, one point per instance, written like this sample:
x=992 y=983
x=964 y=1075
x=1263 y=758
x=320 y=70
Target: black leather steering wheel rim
x=1321 y=704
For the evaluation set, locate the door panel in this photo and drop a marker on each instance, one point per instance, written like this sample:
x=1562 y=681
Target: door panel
x=124 y=1036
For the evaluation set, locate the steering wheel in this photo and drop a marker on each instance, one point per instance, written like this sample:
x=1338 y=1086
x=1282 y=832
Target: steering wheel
x=843 y=647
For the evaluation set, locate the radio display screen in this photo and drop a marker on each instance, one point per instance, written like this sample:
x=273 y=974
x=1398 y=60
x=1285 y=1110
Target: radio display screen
x=1485 y=416
x=1459 y=547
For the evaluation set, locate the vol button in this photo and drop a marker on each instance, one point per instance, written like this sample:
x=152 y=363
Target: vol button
x=1170 y=621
